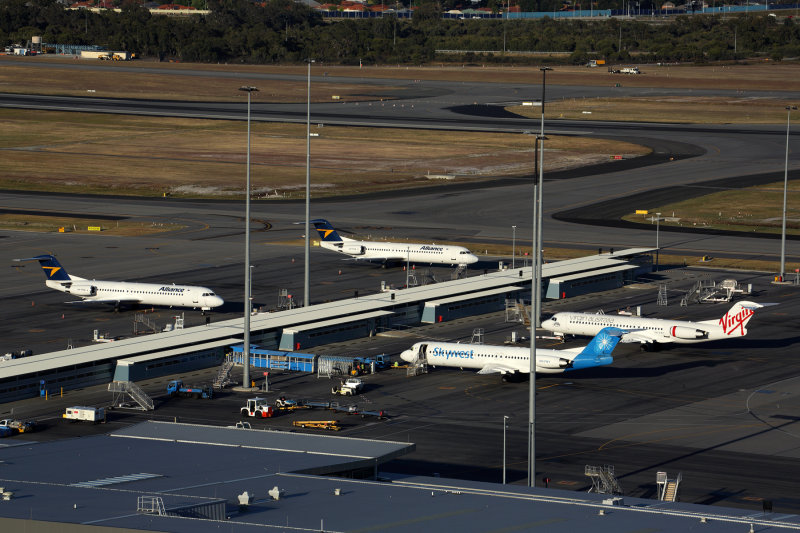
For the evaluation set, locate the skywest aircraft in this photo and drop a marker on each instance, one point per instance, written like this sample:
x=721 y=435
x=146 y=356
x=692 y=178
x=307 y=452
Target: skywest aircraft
x=653 y=331
x=392 y=251
x=121 y=292
x=515 y=360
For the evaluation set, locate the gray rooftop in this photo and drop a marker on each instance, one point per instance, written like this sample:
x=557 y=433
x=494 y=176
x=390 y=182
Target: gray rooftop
x=97 y=481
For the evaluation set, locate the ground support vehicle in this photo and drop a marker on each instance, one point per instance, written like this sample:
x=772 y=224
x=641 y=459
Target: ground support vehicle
x=332 y=425
x=282 y=404
x=350 y=387
x=87 y=414
x=19 y=426
x=257 y=407
x=177 y=388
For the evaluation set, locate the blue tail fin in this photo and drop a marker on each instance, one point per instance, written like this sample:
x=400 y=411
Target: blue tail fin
x=52 y=268
x=326 y=231
x=598 y=351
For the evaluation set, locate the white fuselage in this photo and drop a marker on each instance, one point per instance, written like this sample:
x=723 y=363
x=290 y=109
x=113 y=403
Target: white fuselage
x=411 y=252
x=478 y=356
x=140 y=293
x=656 y=329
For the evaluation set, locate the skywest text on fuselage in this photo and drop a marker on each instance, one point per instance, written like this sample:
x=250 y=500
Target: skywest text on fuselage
x=447 y=354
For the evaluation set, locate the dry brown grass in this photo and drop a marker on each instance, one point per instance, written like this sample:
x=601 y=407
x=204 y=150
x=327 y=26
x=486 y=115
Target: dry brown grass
x=191 y=157
x=667 y=109
x=18 y=75
x=53 y=224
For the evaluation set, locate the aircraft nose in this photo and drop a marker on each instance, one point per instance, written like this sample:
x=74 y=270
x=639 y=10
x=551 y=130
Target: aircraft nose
x=407 y=356
x=216 y=301
x=547 y=324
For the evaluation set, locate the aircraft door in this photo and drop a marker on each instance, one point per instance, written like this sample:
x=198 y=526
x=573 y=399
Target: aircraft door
x=423 y=352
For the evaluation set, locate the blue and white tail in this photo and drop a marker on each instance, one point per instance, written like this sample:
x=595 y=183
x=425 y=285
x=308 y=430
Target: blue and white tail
x=598 y=351
x=51 y=267
x=326 y=231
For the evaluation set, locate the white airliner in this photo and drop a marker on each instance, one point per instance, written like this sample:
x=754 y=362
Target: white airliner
x=515 y=360
x=392 y=251
x=122 y=292
x=653 y=331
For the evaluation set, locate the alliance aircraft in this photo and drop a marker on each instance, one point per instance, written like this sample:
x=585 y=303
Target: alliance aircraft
x=490 y=359
x=122 y=292
x=653 y=331
x=392 y=251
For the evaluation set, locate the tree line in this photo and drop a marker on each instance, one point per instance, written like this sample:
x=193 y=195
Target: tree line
x=284 y=31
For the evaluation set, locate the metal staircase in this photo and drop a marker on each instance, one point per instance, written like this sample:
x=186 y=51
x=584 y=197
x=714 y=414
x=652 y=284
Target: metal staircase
x=668 y=488
x=142 y=323
x=223 y=375
x=125 y=390
x=603 y=479
x=150 y=505
x=459 y=272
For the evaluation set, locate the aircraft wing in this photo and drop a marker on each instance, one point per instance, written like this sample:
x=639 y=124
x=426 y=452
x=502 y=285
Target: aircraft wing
x=642 y=336
x=494 y=368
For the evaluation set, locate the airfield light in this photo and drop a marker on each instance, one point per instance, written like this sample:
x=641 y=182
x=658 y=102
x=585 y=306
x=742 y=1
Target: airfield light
x=789 y=109
x=247 y=292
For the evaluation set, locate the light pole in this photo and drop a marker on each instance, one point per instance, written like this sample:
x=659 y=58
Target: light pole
x=658 y=219
x=789 y=109
x=307 y=270
x=513 y=245
x=505 y=426
x=247 y=303
x=538 y=249
x=408 y=263
x=536 y=293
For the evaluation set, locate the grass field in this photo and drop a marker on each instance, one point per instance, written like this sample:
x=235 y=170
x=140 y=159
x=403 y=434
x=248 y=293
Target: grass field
x=146 y=156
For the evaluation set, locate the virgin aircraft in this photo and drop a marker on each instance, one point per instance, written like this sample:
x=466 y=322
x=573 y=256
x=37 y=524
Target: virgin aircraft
x=488 y=359
x=122 y=292
x=654 y=331
x=392 y=251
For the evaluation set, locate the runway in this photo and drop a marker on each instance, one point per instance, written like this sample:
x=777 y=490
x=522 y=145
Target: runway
x=721 y=413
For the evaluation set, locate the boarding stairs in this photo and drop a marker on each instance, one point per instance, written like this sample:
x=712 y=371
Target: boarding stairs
x=141 y=323
x=124 y=391
x=603 y=479
x=459 y=272
x=223 y=375
x=420 y=366
x=668 y=488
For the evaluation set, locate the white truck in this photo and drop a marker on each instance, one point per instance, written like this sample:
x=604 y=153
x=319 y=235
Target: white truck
x=350 y=387
x=88 y=414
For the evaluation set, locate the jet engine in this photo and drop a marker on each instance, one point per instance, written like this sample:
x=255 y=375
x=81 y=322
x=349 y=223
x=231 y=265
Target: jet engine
x=553 y=363
x=681 y=332
x=82 y=290
x=353 y=249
